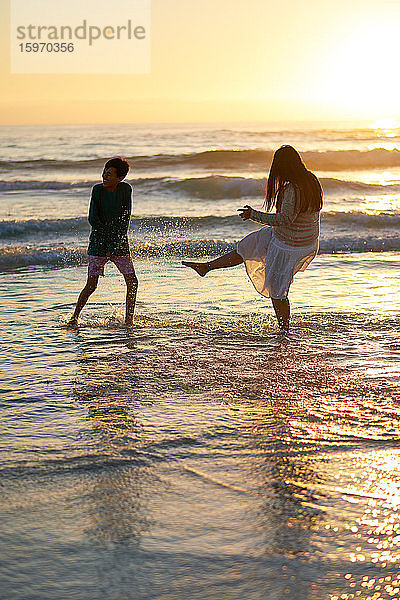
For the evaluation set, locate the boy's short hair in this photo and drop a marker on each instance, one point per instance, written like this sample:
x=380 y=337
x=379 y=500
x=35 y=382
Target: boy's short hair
x=120 y=164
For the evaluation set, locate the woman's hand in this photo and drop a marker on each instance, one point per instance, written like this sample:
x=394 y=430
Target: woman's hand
x=244 y=213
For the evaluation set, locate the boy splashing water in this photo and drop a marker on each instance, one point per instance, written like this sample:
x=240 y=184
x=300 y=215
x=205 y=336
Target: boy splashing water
x=109 y=216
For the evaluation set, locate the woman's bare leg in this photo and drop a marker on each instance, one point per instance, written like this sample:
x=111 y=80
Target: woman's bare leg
x=282 y=311
x=231 y=259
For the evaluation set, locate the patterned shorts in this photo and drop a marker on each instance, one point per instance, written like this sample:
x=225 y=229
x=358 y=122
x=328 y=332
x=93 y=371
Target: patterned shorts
x=124 y=264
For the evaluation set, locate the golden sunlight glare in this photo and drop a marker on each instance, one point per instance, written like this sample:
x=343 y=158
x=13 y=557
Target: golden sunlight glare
x=386 y=123
x=359 y=71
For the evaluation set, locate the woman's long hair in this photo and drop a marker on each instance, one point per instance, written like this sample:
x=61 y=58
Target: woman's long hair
x=287 y=167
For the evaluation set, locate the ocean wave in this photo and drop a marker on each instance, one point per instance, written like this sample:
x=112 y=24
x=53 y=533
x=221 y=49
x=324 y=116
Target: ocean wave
x=333 y=186
x=366 y=134
x=38 y=227
x=212 y=187
x=14 y=228
x=358 y=220
x=48 y=184
x=328 y=160
x=20 y=185
x=42 y=227
x=17 y=257
x=218 y=187
x=12 y=258
x=352 y=244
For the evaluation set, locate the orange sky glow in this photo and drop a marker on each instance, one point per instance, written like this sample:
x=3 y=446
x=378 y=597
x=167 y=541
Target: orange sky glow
x=229 y=60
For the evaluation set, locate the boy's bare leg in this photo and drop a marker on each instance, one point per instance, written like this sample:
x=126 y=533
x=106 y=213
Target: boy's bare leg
x=91 y=285
x=282 y=311
x=131 y=291
x=231 y=259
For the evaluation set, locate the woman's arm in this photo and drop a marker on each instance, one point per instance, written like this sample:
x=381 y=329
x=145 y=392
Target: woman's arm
x=286 y=215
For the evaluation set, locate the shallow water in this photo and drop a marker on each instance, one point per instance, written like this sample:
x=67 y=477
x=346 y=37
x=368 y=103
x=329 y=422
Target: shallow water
x=199 y=455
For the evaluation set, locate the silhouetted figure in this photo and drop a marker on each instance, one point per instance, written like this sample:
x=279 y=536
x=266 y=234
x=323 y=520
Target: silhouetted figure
x=274 y=254
x=110 y=215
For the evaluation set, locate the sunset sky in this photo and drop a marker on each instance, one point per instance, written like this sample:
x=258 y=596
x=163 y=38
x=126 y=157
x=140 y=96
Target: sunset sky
x=230 y=60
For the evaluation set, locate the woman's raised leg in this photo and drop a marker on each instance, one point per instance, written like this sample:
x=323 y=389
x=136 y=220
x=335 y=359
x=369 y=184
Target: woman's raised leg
x=231 y=259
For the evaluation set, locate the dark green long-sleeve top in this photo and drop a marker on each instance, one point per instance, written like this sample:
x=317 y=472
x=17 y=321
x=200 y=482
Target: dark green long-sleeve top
x=109 y=216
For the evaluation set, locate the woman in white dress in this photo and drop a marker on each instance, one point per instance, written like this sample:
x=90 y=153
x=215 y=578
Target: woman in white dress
x=274 y=254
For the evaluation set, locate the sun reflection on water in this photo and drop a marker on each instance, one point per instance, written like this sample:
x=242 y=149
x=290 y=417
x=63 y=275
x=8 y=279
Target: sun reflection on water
x=386 y=126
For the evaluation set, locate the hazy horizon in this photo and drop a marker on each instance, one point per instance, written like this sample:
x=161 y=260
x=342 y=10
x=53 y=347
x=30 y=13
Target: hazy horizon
x=230 y=62
x=279 y=124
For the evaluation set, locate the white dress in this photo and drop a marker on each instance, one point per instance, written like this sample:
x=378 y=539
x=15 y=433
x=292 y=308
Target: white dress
x=271 y=263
